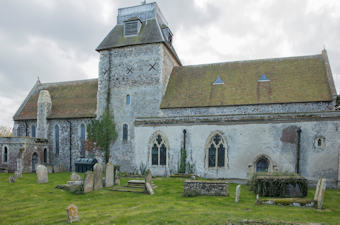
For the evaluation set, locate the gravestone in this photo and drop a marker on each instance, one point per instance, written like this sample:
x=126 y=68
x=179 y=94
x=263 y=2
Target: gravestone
x=11 y=179
x=109 y=175
x=117 y=175
x=50 y=169
x=98 y=176
x=149 y=188
x=18 y=174
x=317 y=190
x=75 y=177
x=238 y=192
x=88 y=182
x=72 y=213
x=322 y=193
x=148 y=178
x=42 y=174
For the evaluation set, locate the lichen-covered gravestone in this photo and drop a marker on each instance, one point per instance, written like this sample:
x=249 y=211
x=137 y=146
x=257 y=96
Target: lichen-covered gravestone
x=75 y=177
x=98 y=176
x=117 y=175
x=238 y=192
x=88 y=182
x=321 y=193
x=42 y=174
x=72 y=213
x=109 y=175
x=11 y=179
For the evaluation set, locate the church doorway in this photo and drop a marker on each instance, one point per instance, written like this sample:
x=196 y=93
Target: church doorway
x=262 y=165
x=35 y=160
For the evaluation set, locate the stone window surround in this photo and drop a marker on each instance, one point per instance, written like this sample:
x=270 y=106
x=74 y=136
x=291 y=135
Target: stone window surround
x=322 y=141
x=3 y=154
x=271 y=166
x=128 y=99
x=33 y=130
x=45 y=151
x=207 y=146
x=166 y=142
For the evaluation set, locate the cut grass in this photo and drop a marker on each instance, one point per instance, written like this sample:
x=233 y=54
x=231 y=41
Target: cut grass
x=26 y=202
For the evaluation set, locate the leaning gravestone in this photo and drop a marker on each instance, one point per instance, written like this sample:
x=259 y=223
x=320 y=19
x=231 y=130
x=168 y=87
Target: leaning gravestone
x=117 y=175
x=42 y=174
x=238 y=192
x=109 y=175
x=148 y=178
x=321 y=193
x=98 y=176
x=149 y=189
x=88 y=182
x=317 y=190
x=72 y=213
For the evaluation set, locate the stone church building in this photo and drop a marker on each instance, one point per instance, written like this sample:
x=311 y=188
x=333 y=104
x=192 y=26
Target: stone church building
x=232 y=118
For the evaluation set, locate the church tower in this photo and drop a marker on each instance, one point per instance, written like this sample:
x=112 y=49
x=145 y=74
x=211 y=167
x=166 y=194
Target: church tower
x=136 y=59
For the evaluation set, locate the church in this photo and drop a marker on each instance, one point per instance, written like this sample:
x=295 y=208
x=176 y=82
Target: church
x=231 y=118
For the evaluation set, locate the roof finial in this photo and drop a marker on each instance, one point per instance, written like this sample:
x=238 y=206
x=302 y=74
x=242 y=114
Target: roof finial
x=144 y=2
x=38 y=80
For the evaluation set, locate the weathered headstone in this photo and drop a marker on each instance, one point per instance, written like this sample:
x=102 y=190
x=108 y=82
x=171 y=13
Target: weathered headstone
x=50 y=169
x=75 y=177
x=11 y=179
x=109 y=175
x=322 y=193
x=317 y=190
x=18 y=174
x=149 y=188
x=117 y=175
x=72 y=213
x=148 y=178
x=98 y=176
x=88 y=182
x=238 y=192
x=42 y=174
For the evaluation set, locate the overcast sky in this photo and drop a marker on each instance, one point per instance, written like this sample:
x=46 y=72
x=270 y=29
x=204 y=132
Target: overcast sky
x=55 y=39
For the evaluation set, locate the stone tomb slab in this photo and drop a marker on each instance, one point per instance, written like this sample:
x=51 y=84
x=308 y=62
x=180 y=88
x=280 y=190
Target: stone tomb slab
x=205 y=187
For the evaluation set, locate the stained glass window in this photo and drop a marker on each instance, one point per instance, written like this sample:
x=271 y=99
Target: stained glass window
x=216 y=152
x=262 y=165
x=159 y=151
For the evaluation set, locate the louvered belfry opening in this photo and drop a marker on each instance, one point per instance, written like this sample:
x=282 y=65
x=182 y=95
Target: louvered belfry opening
x=131 y=28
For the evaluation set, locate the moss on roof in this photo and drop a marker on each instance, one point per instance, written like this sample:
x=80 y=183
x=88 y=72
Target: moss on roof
x=296 y=79
x=75 y=99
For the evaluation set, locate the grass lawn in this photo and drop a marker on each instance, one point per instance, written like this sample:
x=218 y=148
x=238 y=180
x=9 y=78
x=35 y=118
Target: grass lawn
x=26 y=202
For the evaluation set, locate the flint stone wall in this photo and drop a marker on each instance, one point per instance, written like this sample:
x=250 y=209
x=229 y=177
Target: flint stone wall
x=199 y=187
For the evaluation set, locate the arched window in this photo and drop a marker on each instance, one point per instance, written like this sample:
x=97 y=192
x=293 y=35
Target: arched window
x=128 y=99
x=82 y=140
x=5 y=155
x=125 y=132
x=159 y=150
x=33 y=131
x=262 y=164
x=216 y=151
x=56 y=139
x=45 y=155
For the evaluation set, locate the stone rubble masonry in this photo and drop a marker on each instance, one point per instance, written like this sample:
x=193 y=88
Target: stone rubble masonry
x=321 y=193
x=238 y=192
x=42 y=174
x=44 y=110
x=88 y=182
x=98 y=176
x=109 y=175
x=200 y=187
x=72 y=213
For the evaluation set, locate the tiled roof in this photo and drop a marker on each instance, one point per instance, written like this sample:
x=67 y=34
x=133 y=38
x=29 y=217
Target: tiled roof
x=74 y=99
x=150 y=33
x=295 y=79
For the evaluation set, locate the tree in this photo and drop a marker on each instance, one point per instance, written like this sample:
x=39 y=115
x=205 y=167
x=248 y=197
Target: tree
x=5 y=131
x=103 y=133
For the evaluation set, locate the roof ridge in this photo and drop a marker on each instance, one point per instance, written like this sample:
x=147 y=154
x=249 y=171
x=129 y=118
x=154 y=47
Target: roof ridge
x=259 y=60
x=67 y=82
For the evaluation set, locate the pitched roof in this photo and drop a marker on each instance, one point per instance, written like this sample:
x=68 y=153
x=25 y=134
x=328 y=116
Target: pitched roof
x=294 y=79
x=149 y=33
x=74 y=99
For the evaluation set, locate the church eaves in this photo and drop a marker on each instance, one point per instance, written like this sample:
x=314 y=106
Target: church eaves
x=292 y=80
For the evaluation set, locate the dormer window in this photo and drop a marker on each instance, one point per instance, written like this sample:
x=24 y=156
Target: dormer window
x=218 y=81
x=167 y=34
x=263 y=78
x=132 y=26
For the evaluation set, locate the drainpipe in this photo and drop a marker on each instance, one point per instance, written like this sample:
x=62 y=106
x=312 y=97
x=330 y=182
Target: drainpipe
x=298 y=150
x=184 y=138
x=70 y=144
